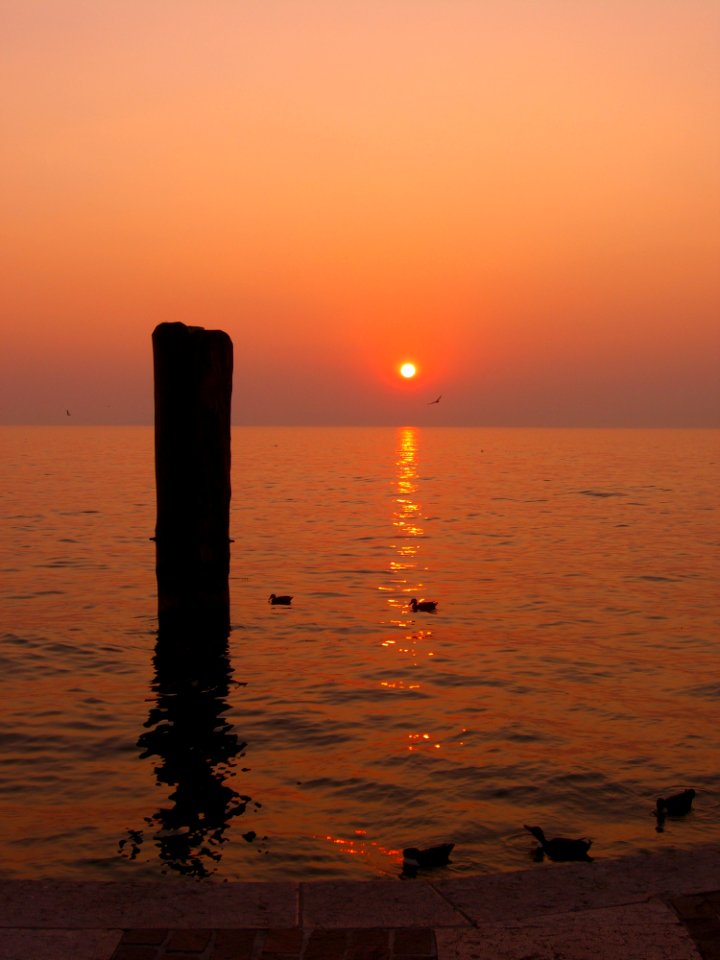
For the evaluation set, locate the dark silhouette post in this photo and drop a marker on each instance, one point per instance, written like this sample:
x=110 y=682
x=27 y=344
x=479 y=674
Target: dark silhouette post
x=193 y=387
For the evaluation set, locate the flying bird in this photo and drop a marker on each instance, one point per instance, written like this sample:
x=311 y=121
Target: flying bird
x=561 y=848
x=67 y=413
x=431 y=402
x=283 y=600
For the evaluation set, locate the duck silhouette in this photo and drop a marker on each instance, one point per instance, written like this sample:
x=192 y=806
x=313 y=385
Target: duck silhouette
x=561 y=849
x=282 y=600
x=677 y=805
x=427 y=606
x=415 y=859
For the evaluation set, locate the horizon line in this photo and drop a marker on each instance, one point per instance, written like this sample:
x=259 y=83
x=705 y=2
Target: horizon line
x=403 y=425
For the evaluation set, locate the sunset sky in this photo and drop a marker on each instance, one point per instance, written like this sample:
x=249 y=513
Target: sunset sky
x=522 y=197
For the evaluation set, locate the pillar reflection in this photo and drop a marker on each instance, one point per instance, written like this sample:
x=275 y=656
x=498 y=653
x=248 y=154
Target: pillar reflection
x=195 y=748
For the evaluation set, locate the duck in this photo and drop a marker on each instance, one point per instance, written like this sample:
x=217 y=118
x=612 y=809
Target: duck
x=561 y=848
x=677 y=805
x=282 y=600
x=428 y=606
x=415 y=859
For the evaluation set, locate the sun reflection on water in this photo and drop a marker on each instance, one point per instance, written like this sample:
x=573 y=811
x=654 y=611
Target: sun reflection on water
x=413 y=645
x=406 y=519
x=361 y=847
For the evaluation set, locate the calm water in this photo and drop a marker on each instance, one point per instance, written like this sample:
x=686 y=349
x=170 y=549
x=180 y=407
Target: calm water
x=570 y=675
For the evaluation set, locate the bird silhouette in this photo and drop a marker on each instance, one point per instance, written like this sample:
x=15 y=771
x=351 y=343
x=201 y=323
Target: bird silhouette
x=415 y=859
x=431 y=402
x=282 y=600
x=561 y=848
x=427 y=606
x=677 y=805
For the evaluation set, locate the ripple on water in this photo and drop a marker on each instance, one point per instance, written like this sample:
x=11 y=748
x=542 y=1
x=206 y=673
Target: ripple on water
x=550 y=695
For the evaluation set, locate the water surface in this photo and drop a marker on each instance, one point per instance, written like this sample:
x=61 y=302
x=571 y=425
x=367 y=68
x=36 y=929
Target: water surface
x=569 y=676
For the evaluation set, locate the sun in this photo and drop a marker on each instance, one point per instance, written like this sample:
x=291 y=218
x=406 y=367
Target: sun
x=408 y=370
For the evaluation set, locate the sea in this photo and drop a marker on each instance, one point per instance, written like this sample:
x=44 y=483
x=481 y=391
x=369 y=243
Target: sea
x=569 y=676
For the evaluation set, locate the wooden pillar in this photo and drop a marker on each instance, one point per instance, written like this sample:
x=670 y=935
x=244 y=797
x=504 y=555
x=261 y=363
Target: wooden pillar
x=193 y=387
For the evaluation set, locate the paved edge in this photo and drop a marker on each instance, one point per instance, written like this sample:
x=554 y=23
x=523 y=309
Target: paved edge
x=700 y=914
x=654 y=906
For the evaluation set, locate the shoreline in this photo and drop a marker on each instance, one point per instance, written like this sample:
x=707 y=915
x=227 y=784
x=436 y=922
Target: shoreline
x=647 y=907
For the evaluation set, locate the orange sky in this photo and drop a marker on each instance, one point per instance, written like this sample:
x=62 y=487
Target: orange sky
x=521 y=197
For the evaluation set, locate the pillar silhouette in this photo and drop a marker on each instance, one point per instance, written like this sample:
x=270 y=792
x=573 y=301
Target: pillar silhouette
x=193 y=388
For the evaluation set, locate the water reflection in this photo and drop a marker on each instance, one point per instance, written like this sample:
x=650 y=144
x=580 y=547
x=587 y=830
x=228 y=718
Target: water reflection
x=196 y=749
x=406 y=567
x=405 y=579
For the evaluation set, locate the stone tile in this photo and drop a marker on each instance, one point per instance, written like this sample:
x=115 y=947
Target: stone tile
x=369 y=944
x=638 y=908
x=416 y=943
x=709 y=949
x=58 y=944
x=188 y=941
x=137 y=951
x=701 y=916
x=640 y=931
x=326 y=945
x=151 y=937
x=546 y=888
x=370 y=937
x=382 y=903
x=702 y=928
x=170 y=903
x=234 y=945
x=284 y=941
x=562 y=888
x=692 y=907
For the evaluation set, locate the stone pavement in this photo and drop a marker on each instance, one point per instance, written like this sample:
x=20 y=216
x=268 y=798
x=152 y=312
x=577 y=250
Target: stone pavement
x=701 y=916
x=664 y=906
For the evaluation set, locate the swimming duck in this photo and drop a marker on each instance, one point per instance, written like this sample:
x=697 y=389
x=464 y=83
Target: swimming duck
x=284 y=601
x=415 y=859
x=428 y=606
x=675 y=806
x=561 y=848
